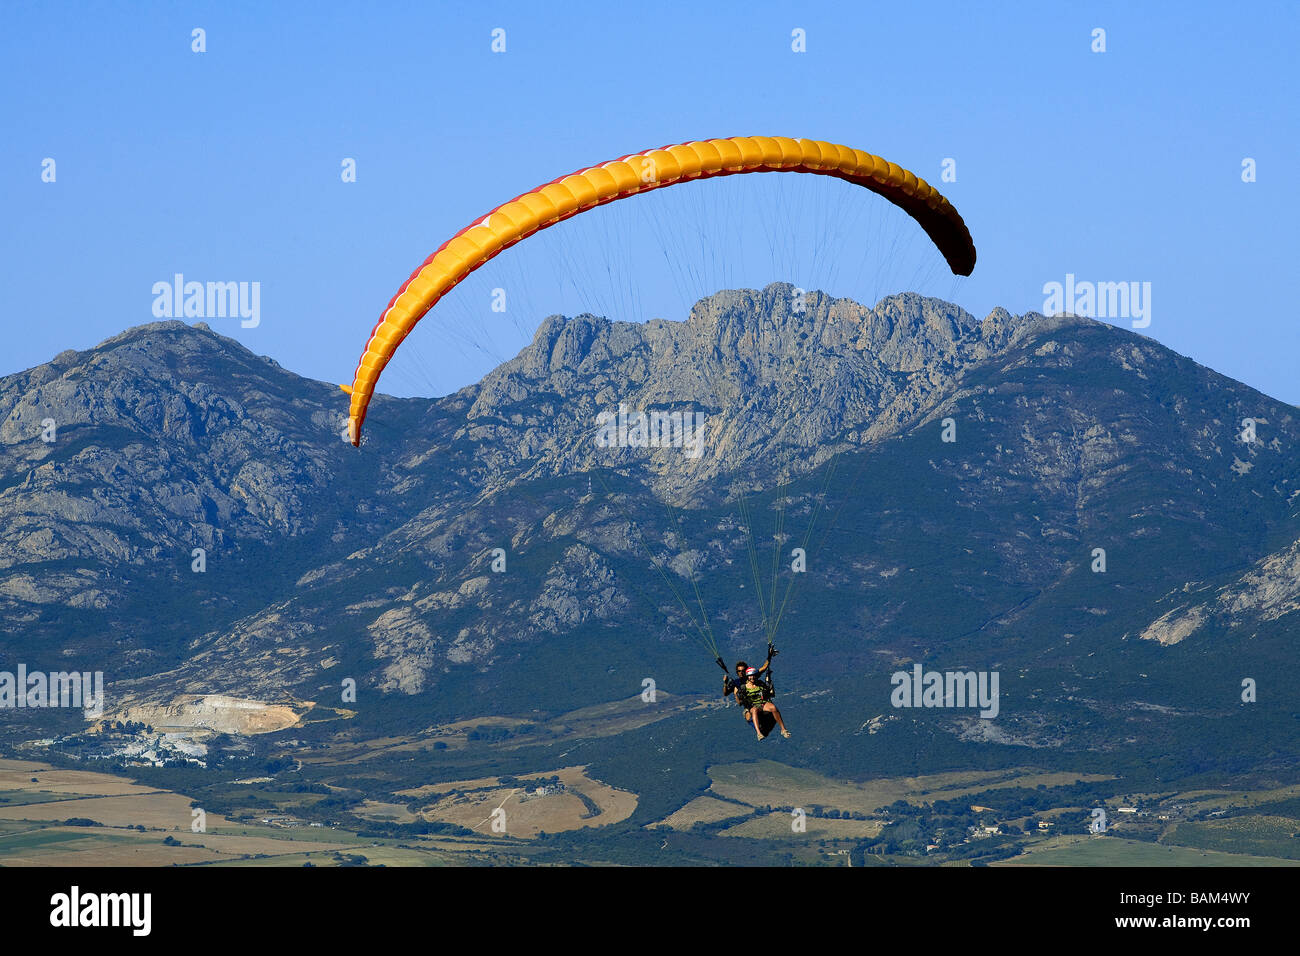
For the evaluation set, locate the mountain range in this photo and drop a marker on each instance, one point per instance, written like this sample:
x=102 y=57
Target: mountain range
x=1112 y=527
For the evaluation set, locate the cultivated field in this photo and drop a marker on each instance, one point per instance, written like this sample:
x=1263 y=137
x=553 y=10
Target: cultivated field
x=525 y=811
x=766 y=783
x=1087 y=850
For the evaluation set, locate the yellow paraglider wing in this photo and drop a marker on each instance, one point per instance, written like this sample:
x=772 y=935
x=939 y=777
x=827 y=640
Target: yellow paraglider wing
x=629 y=176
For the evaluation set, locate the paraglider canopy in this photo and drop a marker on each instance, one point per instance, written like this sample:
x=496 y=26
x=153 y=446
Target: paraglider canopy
x=632 y=175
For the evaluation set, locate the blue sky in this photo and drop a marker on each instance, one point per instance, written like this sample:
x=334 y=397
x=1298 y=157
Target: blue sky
x=225 y=165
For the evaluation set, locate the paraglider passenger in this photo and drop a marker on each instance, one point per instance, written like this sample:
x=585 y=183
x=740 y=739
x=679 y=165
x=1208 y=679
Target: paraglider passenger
x=753 y=698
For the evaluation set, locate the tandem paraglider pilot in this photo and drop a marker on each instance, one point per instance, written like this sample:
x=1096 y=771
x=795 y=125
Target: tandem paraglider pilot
x=754 y=694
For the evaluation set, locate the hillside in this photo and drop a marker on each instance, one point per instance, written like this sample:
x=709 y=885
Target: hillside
x=326 y=565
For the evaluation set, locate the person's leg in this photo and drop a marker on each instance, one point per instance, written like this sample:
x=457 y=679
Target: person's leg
x=755 y=718
x=771 y=708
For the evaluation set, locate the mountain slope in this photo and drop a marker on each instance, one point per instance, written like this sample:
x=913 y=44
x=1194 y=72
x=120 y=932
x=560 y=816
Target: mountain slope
x=825 y=431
